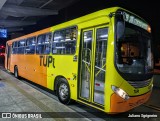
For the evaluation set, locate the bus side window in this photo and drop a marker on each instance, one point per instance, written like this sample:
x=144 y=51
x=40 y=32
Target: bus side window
x=47 y=45
x=43 y=44
x=21 y=46
x=14 y=48
x=64 y=41
x=30 y=45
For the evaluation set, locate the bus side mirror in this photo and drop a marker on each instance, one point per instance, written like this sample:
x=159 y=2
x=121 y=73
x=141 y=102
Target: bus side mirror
x=120 y=29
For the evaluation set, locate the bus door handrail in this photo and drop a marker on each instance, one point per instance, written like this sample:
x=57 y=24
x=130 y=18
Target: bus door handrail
x=100 y=69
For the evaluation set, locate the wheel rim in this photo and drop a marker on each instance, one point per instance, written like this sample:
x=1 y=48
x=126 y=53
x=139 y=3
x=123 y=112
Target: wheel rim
x=63 y=91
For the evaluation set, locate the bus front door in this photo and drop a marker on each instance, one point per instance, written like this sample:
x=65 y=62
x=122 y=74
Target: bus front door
x=93 y=65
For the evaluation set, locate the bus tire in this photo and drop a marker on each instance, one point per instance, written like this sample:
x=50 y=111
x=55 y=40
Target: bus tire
x=63 y=91
x=16 y=72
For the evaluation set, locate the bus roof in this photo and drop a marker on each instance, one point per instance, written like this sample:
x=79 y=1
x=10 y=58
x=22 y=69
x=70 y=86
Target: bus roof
x=73 y=22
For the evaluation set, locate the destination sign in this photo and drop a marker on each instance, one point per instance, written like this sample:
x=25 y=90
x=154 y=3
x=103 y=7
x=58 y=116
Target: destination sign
x=133 y=20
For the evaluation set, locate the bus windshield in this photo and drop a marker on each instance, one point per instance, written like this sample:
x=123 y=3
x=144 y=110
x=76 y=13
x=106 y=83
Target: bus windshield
x=133 y=50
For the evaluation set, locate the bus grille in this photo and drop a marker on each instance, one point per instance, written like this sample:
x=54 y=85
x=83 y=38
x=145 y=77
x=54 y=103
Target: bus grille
x=140 y=84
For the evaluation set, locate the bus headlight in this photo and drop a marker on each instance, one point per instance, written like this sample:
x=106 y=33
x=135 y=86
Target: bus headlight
x=120 y=92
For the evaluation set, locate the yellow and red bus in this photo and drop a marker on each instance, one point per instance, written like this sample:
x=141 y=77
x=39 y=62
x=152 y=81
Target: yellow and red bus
x=103 y=59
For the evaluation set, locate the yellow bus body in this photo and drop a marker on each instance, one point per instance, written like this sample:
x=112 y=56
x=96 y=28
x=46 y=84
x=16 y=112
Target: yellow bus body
x=29 y=66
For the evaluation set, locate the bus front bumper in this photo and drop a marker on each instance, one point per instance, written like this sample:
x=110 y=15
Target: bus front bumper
x=119 y=105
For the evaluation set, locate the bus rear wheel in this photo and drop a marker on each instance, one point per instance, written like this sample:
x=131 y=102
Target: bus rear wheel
x=16 y=71
x=63 y=91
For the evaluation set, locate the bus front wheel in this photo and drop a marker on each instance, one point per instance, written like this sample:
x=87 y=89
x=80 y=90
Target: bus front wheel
x=63 y=91
x=16 y=71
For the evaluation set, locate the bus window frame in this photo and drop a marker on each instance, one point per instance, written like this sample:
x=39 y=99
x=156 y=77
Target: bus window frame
x=52 y=41
x=35 y=38
x=21 y=46
x=43 y=44
x=14 y=47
